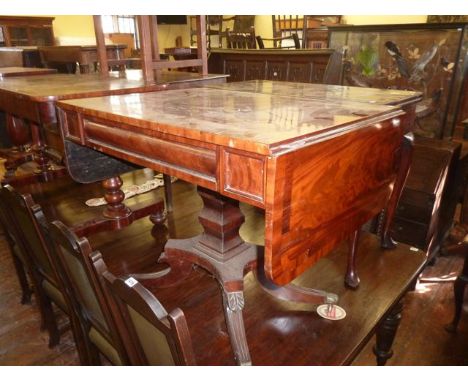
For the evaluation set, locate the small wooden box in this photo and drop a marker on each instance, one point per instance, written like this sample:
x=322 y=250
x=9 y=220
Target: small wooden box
x=427 y=206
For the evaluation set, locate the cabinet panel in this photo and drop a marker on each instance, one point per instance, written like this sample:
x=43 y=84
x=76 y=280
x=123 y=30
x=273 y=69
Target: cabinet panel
x=235 y=69
x=297 y=65
x=277 y=71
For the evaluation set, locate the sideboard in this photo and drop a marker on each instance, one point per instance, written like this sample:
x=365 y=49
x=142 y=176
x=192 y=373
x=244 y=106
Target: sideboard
x=302 y=65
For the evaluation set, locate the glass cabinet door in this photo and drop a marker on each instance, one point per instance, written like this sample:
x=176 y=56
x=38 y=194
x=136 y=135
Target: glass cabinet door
x=41 y=36
x=18 y=36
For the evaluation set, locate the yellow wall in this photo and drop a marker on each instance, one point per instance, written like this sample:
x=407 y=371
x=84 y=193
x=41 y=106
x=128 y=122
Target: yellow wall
x=74 y=29
x=79 y=29
x=384 y=19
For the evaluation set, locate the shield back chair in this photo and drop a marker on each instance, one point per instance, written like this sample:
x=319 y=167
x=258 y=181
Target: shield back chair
x=75 y=257
x=32 y=249
x=153 y=336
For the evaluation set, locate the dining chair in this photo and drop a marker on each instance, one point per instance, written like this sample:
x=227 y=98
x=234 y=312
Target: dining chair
x=33 y=251
x=91 y=303
x=153 y=336
x=19 y=260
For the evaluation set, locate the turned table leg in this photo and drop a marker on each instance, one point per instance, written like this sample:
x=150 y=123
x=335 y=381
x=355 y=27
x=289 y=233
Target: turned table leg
x=21 y=133
x=114 y=196
x=117 y=215
x=168 y=192
x=404 y=166
x=20 y=136
x=386 y=334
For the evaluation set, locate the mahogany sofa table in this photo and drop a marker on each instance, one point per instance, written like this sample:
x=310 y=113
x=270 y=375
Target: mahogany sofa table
x=320 y=170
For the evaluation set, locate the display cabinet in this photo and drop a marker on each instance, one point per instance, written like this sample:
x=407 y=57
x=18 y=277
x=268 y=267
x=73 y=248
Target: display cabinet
x=25 y=31
x=431 y=58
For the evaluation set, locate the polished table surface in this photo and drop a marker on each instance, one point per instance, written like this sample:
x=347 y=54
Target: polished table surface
x=46 y=88
x=326 y=92
x=257 y=122
x=18 y=71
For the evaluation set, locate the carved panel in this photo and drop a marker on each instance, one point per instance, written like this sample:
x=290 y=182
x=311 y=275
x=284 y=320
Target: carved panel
x=300 y=72
x=235 y=69
x=318 y=72
x=255 y=70
x=277 y=70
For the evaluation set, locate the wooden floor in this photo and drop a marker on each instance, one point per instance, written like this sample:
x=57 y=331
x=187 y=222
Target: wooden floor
x=421 y=339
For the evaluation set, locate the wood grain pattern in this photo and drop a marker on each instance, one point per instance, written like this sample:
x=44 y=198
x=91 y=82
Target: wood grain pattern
x=325 y=92
x=318 y=195
x=254 y=122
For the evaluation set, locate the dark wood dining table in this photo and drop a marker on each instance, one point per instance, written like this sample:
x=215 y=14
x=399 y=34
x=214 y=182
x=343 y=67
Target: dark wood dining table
x=29 y=105
x=20 y=71
x=319 y=168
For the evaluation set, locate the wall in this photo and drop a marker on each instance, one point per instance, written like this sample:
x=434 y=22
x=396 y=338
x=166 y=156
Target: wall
x=384 y=19
x=74 y=30
x=80 y=30
x=70 y=30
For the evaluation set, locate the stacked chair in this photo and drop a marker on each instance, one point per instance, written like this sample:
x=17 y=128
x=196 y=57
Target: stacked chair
x=115 y=318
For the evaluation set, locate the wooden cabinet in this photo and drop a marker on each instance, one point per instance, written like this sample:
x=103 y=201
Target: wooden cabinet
x=302 y=65
x=25 y=31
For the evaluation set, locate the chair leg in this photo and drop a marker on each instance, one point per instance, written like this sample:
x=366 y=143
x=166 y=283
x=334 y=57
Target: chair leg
x=49 y=321
x=26 y=290
x=52 y=327
x=459 y=291
x=168 y=192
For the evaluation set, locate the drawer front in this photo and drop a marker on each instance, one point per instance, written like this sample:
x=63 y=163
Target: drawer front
x=179 y=158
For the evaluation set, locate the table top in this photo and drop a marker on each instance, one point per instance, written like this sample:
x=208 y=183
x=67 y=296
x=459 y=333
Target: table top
x=257 y=122
x=325 y=92
x=18 y=71
x=44 y=88
x=27 y=48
